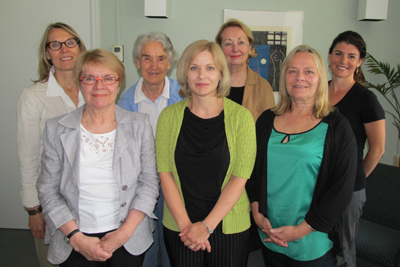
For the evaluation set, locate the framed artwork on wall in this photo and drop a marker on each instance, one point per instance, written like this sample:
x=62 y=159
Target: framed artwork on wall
x=276 y=33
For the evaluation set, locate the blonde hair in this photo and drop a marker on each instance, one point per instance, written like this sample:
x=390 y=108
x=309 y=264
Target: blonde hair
x=234 y=23
x=322 y=107
x=245 y=28
x=100 y=57
x=46 y=64
x=220 y=61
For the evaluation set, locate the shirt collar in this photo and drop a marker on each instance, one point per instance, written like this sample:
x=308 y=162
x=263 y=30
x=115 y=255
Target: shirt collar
x=140 y=96
x=54 y=89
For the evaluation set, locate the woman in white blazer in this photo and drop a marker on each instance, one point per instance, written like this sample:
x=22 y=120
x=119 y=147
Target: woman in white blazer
x=53 y=94
x=98 y=184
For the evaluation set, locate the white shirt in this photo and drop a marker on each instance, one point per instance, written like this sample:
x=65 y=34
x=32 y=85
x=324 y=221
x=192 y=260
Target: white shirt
x=98 y=188
x=153 y=109
x=54 y=89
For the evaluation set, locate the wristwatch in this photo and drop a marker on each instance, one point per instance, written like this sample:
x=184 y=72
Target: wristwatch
x=70 y=235
x=210 y=231
x=35 y=211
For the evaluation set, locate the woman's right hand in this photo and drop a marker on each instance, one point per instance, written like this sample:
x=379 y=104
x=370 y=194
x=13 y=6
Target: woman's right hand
x=265 y=225
x=37 y=225
x=89 y=247
x=195 y=237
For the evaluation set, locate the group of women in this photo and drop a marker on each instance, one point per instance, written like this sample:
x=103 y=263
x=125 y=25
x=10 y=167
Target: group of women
x=100 y=168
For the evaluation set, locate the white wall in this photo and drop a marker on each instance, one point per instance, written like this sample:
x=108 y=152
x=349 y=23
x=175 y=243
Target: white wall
x=22 y=24
x=192 y=20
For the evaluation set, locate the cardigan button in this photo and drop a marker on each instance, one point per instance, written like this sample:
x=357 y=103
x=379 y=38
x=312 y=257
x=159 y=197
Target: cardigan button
x=124 y=188
x=123 y=204
x=122 y=221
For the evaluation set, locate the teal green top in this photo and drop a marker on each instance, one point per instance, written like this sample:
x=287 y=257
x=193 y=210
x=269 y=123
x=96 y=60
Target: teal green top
x=293 y=167
x=241 y=137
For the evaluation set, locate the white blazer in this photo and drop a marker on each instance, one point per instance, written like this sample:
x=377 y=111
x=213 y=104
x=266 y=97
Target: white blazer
x=33 y=110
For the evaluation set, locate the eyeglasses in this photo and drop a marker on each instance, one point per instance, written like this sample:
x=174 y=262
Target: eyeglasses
x=70 y=43
x=91 y=80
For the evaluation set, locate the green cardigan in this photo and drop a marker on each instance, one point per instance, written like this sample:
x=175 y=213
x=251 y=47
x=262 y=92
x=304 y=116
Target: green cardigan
x=240 y=134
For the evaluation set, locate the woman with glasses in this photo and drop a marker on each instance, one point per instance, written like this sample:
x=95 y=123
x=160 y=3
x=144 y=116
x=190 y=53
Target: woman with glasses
x=98 y=184
x=53 y=94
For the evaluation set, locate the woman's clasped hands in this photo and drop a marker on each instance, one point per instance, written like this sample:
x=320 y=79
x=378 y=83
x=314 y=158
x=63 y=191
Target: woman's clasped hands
x=265 y=226
x=89 y=247
x=283 y=235
x=95 y=249
x=195 y=237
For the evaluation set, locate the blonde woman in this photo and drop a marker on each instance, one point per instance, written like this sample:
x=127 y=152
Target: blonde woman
x=305 y=167
x=53 y=94
x=98 y=184
x=247 y=87
x=205 y=154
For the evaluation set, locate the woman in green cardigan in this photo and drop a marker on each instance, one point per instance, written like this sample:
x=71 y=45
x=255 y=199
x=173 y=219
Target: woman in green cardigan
x=205 y=153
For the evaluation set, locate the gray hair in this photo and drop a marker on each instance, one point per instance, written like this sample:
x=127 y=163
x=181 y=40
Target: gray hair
x=156 y=37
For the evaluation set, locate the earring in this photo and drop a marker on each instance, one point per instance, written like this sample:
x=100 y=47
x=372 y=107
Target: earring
x=357 y=70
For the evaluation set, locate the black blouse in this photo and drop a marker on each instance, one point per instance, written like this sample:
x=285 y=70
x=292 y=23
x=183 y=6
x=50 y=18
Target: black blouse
x=236 y=94
x=202 y=160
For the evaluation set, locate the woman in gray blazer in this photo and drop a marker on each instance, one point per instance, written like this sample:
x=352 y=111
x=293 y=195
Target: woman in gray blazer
x=98 y=185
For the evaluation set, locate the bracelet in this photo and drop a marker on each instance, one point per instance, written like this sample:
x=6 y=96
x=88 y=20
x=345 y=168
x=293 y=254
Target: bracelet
x=210 y=231
x=70 y=235
x=312 y=229
x=34 y=211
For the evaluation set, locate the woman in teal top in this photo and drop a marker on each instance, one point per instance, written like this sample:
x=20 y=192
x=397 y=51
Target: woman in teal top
x=206 y=150
x=303 y=176
x=303 y=153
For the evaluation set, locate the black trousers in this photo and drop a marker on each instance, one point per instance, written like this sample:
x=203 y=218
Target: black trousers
x=120 y=258
x=226 y=250
x=275 y=259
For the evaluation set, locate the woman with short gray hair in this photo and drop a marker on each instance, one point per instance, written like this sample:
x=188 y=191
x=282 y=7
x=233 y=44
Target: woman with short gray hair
x=155 y=57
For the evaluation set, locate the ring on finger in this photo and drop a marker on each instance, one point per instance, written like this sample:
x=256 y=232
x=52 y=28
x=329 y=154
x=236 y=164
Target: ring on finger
x=191 y=246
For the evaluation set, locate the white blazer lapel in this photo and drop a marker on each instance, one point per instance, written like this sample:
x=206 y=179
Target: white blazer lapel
x=54 y=104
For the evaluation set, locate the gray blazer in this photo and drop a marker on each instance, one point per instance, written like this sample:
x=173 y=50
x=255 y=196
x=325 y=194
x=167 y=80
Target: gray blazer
x=134 y=169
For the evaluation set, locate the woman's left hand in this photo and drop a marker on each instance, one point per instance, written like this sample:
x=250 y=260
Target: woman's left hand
x=291 y=233
x=285 y=233
x=116 y=239
x=113 y=241
x=195 y=237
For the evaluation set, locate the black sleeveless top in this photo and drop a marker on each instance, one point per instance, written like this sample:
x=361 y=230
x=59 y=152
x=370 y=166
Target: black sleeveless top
x=202 y=160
